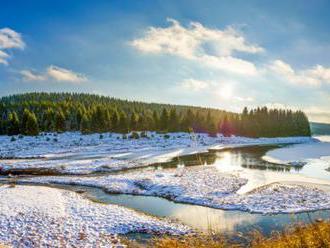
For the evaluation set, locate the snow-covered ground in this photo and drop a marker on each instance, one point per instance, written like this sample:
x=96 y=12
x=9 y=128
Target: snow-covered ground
x=314 y=156
x=25 y=210
x=298 y=153
x=73 y=153
x=36 y=216
x=204 y=185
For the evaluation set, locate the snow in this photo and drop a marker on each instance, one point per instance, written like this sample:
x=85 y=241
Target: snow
x=298 y=153
x=204 y=185
x=315 y=157
x=73 y=153
x=65 y=216
x=36 y=216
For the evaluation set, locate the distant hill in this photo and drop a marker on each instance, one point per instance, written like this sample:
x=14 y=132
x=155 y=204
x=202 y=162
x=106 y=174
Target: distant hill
x=320 y=128
x=58 y=112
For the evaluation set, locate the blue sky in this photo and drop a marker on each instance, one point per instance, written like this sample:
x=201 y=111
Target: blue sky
x=223 y=54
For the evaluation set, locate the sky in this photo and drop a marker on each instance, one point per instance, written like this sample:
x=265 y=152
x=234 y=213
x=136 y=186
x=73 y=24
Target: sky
x=220 y=54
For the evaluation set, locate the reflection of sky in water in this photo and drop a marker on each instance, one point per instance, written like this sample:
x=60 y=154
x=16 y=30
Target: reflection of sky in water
x=203 y=218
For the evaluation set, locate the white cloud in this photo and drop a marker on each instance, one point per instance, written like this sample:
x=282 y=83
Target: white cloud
x=9 y=39
x=195 y=85
x=210 y=47
x=32 y=76
x=314 y=76
x=3 y=58
x=244 y=99
x=61 y=74
x=54 y=73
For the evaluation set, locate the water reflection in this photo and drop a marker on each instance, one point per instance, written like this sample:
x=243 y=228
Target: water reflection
x=231 y=160
x=202 y=218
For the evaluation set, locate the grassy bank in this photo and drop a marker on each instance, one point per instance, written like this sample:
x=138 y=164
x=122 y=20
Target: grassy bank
x=316 y=235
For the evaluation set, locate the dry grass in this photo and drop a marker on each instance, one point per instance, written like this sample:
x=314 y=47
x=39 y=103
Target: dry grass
x=206 y=241
x=316 y=235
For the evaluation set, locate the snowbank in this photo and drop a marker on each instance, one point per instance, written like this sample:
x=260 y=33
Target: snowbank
x=204 y=185
x=36 y=216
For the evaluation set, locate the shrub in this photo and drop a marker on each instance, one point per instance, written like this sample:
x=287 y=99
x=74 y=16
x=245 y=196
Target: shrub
x=144 y=134
x=134 y=135
x=13 y=139
x=166 y=136
x=101 y=136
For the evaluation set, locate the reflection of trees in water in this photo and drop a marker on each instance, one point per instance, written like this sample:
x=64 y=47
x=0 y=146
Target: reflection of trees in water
x=246 y=157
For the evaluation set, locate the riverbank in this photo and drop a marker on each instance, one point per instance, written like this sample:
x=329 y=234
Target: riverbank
x=75 y=154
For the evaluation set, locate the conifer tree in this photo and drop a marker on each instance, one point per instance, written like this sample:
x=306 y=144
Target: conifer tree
x=32 y=127
x=59 y=121
x=164 y=119
x=84 y=124
x=134 y=121
x=123 y=122
x=173 y=121
x=13 y=124
x=226 y=128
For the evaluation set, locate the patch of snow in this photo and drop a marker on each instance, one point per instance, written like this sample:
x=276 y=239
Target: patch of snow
x=36 y=216
x=298 y=153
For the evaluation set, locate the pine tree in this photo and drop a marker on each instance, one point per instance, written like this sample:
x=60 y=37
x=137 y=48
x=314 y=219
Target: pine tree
x=123 y=122
x=84 y=124
x=13 y=124
x=173 y=121
x=25 y=117
x=226 y=128
x=59 y=121
x=134 y=121
x=156 y=121
x=32 y=127
x=164 y=120
x=115 y=121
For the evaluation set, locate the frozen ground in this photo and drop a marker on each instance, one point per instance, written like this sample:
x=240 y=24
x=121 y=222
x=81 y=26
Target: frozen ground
x=73 y=153
x=314 y=156
x=36 y=216
x=204 y=185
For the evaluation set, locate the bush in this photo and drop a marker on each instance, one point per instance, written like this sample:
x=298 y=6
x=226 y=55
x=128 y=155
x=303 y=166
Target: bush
x=55 y=140
x=124 y=136
x=134 y=135
x=144 y=135
x=166 y=136
x=47 y=139
x=20 y=136
x=13 y=139
x=101 y=136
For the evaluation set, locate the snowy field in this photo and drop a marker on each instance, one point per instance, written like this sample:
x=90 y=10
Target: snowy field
x=73 y=153
x=68 y=220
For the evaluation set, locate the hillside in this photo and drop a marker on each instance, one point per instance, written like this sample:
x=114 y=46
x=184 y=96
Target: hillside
x=33 y=112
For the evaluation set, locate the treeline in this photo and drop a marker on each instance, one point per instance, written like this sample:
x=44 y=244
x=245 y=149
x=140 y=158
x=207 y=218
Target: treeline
x=58 y=112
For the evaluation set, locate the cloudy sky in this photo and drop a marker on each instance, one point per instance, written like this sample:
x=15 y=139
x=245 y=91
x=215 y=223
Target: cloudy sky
x=223 y=54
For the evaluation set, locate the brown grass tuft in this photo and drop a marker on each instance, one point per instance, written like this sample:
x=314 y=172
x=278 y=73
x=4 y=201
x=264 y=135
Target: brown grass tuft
x=316 y=235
